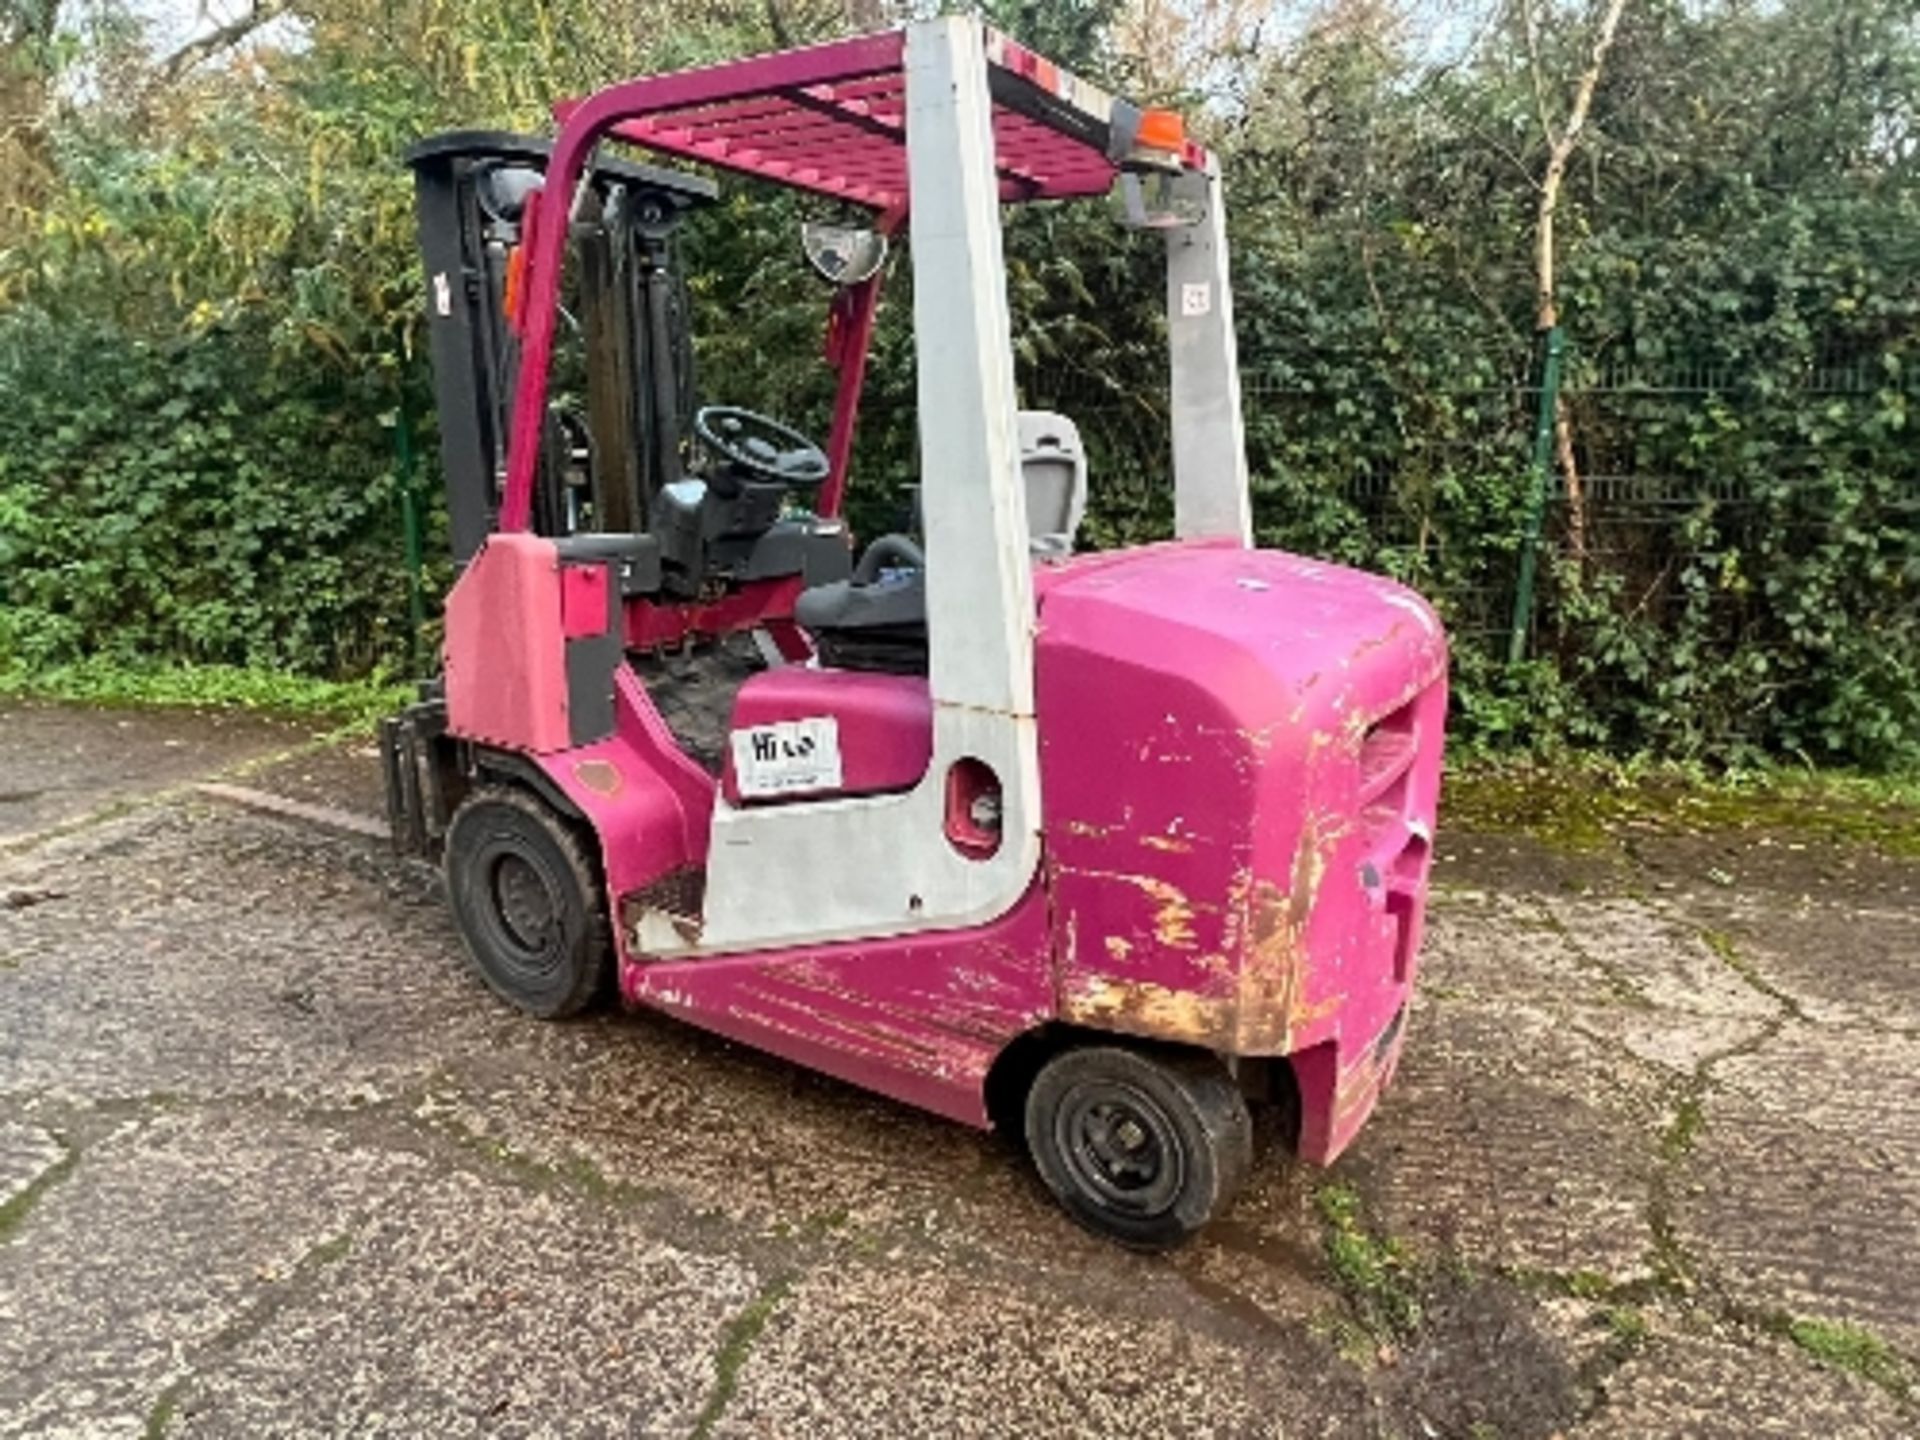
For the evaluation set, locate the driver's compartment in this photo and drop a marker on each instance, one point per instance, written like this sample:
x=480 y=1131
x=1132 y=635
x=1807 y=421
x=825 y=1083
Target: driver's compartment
x=876 y=618
x=868 y=627
x=870 y=634
x=727 y=526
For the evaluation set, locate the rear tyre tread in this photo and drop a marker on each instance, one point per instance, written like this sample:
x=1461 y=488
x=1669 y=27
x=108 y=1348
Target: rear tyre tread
x=1191 y=1103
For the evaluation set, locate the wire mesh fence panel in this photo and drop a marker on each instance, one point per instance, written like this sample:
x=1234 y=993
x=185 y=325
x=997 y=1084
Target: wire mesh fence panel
x=1687 y=483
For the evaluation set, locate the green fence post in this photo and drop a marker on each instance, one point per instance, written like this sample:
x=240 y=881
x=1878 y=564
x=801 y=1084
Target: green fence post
x=1536 y=498
x=410 y=523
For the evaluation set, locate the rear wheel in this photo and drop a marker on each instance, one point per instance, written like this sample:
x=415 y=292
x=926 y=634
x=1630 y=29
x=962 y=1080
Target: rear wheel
x=1145 y=1149
x=527 y=902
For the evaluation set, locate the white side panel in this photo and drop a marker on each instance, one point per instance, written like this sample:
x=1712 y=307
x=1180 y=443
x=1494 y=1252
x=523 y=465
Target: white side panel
x=1210 y=498
x=812 y=871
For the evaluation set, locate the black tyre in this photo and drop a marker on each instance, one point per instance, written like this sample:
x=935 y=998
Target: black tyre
x=527 y=901
x=1145 y=1149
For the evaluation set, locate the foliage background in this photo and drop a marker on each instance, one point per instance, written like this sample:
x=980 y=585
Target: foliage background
x=209 y=327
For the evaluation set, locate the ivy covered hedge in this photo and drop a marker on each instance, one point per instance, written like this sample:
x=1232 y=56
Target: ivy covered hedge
x=194 y=501
x=210 y=323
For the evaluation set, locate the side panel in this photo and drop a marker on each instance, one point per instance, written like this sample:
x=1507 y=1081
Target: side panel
x=1152 y=789
x=884 y=724
x=919 y=1018
x=506 y=666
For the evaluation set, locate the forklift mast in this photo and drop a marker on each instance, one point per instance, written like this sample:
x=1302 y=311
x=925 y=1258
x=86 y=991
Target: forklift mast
x=608 y=451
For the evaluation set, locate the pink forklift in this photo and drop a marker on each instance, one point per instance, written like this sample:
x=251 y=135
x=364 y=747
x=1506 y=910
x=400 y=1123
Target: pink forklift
x=1099 y=848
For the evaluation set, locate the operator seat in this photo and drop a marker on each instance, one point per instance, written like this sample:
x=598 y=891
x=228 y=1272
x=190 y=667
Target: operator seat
x=1054 y=465
x=729 y=528
x=877 y=618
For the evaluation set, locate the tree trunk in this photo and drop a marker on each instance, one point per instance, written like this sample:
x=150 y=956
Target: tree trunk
x=1560 y=150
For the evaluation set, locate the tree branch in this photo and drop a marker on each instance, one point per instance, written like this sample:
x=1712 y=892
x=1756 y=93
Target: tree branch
x=205 y=47
x=1530 y=27
x=1559 y=151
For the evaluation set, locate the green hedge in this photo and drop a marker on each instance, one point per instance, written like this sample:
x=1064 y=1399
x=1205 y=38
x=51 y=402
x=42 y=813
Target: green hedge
x=198 y=500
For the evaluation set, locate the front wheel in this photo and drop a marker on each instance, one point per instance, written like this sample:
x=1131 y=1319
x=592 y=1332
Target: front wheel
x=527 y=902
x=1140 y=1148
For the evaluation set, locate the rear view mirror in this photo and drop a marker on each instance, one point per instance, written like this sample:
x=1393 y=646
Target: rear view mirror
x=843 y=256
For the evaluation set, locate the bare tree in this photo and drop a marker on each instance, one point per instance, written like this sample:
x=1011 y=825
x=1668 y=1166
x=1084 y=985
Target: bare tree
x=221 y=38
x=1561 y=141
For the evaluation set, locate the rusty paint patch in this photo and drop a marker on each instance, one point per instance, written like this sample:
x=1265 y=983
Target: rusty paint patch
x=1141 y=1007
x=1273 y=980
x=1174 y=915
x=600 y=776
x=1119 y=948
x=1169 y=844
x=1173 y=921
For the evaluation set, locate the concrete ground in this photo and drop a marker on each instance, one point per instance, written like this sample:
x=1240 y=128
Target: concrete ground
x=271 y=1163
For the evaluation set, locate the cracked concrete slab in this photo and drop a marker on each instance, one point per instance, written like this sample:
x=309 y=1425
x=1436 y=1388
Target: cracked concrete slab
x=254 y=956
x=868 y=1349
x=1709 y=1385
x=1510 y=1138
x=495 y=1309
x=272 y=1162
x=1802 y=1191
x=170 y=1233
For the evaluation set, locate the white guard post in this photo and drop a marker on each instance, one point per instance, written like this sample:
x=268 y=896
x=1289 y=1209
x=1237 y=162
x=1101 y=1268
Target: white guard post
x=807 y=872
x=1210 y=499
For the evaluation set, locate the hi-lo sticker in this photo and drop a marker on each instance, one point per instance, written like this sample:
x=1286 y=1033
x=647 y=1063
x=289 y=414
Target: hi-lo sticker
x=788 y=756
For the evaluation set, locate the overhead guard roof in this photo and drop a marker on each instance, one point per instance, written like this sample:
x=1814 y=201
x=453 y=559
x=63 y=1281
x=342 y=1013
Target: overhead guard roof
x=831 y=119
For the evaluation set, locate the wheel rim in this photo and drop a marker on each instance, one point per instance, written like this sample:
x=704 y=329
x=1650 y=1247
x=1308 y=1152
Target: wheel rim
x=1120 y=1148
x=521 y=907
x=524 y=902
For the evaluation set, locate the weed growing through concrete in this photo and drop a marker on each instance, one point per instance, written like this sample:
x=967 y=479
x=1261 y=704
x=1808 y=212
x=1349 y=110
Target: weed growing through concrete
x=165 y=1406
x=1729 y=954
x=1375 y=1272
x=1689 y=1115
x=1853 y=1349
x=1628 y=1326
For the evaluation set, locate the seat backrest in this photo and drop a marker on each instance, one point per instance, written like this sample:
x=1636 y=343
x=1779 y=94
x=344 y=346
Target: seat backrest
x=1054 y=466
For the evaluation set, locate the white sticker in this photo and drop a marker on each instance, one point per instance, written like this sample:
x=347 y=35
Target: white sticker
x=1196 y=298
x=788 y=756
x=442 y=294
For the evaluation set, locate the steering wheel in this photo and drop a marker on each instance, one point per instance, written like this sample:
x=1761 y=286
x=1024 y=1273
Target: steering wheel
x=764 y=448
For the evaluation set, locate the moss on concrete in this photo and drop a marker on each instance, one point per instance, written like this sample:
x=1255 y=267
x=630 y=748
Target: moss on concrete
x=1583 y=808
x=742 y=1333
